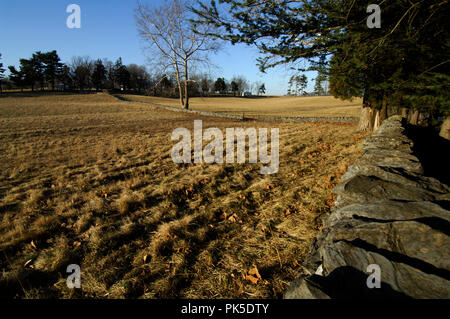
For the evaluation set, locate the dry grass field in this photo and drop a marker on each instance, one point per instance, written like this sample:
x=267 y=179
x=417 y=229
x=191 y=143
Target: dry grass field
x=88 y=180
x=313 y=106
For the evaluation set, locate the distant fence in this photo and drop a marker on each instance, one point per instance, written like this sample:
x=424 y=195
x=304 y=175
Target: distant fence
x=244 y=117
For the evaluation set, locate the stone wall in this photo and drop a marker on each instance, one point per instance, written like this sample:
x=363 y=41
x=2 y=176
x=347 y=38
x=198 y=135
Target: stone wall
x=386 y=213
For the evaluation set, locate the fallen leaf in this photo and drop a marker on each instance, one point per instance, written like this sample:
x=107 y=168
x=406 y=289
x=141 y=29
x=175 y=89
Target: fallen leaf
x=254 y=271
x=252 y=279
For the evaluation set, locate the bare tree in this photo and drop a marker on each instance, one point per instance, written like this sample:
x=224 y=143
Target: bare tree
x=169 y=30
x=81 y=69
x=241 y=82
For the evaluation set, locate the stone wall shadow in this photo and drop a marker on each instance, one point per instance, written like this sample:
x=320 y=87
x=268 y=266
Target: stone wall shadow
x=432 y=150
x=350 y=283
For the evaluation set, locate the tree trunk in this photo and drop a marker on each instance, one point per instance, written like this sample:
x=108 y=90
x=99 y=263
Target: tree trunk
x=445 y=128
x=377 y=120
x=186 y=89
x=405 y=112
x=414 y=117
x=366 y=119
x=180 y=91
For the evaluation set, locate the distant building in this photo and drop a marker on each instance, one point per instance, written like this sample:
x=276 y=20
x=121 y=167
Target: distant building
x=247 y=94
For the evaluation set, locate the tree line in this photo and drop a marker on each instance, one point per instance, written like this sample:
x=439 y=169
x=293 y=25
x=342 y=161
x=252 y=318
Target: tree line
x=45 y=71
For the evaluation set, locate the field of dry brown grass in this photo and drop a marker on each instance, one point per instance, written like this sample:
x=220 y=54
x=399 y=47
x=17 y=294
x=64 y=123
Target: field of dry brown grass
x=88 y=180
x=309 y=106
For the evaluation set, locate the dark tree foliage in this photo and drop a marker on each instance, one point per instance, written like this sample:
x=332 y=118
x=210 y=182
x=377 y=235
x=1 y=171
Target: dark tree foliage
x=405 y=63
x=52 y=66
x=42 y=68
x=98 y=75
x=220 y=85
x=121 y=74
x=139 y=77
x=81 y=76
x=27 y=75
x=47 y=71
x=65 y=77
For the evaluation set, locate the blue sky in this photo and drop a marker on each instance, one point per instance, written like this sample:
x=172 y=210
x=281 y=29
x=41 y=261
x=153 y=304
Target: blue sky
x=108 y=31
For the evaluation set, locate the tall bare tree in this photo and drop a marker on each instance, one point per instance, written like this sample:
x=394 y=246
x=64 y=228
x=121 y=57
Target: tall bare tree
x=169 y=30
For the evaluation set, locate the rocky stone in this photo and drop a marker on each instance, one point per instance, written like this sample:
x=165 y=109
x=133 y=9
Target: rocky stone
x=387 y=213
x=395 y=175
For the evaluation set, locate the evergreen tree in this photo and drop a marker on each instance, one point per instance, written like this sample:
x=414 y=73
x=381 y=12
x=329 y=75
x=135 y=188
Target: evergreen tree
x=220 y=85
x=98 y=75
x=121 y=74
x=401 y=64
x=51 y=65
x=297 y=85
x=27 y=75
x=65 y=77
x=38 y=68
x=82 y=76
x=318 y=87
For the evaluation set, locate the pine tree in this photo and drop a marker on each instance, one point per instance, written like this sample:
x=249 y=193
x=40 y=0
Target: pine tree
x=52 y=66
x=220 y=85
x=297 y=85
x=121 y=74
x=98 y=75
x=26 y=75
